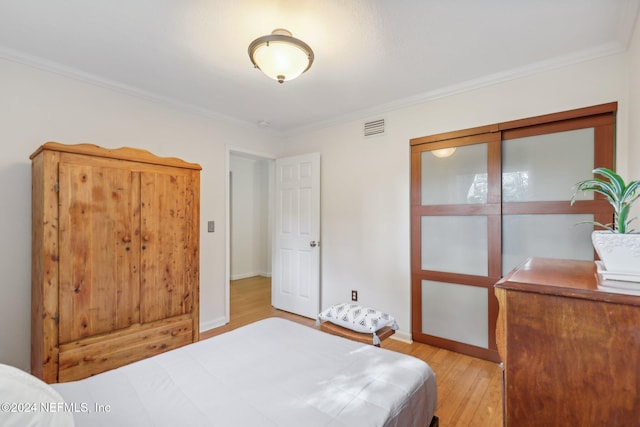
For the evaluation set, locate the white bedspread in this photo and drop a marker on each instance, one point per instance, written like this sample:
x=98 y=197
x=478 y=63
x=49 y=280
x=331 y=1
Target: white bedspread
x=271 y=373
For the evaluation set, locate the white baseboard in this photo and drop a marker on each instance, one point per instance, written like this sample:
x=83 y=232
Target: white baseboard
x=247 y=275
x=242 y=276
x=213 y=323
x=402 y=336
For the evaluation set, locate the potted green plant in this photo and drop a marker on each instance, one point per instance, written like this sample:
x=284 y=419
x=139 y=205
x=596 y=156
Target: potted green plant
x=618 y=245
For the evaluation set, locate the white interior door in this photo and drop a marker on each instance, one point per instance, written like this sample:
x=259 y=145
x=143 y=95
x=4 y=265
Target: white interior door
x=296 y=256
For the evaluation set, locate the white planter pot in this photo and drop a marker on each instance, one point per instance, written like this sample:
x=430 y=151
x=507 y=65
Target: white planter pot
x=619 y=252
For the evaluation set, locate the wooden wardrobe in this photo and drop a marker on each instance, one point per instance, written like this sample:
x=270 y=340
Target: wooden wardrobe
x=115 y=258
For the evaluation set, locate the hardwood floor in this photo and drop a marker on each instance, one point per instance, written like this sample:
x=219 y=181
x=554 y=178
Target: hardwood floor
x=469 y=389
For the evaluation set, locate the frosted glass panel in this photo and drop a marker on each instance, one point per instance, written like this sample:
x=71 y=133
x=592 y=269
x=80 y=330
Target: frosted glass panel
x=549 y=236
x=459 y=178
x=455 y=312
x=455 y=244
x=546 y=167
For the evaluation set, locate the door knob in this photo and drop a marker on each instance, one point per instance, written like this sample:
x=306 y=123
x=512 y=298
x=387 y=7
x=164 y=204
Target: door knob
x=313 y=243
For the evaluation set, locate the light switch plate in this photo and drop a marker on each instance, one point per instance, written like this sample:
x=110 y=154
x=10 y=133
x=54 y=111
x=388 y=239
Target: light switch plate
x=211 y=226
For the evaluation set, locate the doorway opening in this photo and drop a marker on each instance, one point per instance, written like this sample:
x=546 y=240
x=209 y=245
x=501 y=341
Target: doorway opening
x=250 y=227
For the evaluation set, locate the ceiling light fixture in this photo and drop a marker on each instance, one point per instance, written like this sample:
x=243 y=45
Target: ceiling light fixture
x=280 y=56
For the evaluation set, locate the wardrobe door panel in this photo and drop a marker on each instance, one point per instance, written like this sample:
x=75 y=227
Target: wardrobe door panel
x=167 y=257
x=99 y=289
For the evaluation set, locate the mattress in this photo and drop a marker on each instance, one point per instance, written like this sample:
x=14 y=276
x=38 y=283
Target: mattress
x=270 y=373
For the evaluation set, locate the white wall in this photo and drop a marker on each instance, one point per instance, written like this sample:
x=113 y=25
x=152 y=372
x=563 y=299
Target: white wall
x=365 y=182
x=250 y=245
x=38 y=106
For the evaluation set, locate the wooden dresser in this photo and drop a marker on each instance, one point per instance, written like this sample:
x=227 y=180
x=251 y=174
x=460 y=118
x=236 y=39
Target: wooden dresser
x=115 y=258
x=571 y=353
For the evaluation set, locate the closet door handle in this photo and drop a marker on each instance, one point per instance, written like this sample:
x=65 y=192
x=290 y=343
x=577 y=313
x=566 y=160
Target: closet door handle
x=313 y=243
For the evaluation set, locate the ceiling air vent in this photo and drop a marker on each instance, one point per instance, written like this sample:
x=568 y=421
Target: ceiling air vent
x=375 y=127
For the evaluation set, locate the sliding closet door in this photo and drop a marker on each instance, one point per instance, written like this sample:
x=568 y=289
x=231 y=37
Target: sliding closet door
x=456 y=222
x=483 y=200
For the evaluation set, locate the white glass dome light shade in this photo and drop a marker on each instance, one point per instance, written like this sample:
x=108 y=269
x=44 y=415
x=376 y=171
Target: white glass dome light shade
x=280 y=60
x=281 y=56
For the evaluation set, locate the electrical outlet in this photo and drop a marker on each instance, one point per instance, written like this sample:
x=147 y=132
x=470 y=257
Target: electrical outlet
x=354 y=295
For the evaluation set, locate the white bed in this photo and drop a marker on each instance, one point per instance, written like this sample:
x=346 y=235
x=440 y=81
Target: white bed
x=271 y=373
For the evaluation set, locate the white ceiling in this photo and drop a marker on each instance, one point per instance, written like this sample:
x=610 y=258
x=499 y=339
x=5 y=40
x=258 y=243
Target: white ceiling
x=370 y=55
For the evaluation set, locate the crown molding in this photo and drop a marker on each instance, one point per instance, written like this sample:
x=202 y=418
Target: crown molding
x=601 y=51
x=95 y=80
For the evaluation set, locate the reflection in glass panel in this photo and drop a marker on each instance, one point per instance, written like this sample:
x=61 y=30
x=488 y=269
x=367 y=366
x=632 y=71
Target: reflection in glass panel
x=455 y=312
x=549 y=236
x=455 y=244
x=546 y=167
x=459 y=178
